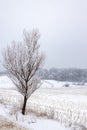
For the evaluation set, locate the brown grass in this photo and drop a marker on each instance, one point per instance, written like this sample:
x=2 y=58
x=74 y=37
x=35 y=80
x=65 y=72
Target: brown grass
x=6 y=124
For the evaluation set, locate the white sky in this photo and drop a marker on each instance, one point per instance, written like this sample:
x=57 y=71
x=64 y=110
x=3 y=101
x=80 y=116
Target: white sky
x=62 y=23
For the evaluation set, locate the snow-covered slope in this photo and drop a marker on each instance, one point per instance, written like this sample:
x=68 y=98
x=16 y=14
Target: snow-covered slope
x=6 y=83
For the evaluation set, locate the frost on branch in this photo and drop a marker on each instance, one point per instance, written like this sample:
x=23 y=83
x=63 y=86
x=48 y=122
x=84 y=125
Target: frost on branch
x=22 y=60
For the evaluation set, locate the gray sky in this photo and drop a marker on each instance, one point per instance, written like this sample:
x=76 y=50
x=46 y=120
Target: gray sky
x=62 y=24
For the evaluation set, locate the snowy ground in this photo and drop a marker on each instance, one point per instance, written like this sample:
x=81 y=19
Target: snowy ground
x=29 y=121
x=67 y=106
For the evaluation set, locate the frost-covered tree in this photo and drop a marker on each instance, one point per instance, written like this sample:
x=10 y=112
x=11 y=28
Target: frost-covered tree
x=22 y=60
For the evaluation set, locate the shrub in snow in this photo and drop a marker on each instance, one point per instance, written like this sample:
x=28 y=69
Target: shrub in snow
x=66 y=85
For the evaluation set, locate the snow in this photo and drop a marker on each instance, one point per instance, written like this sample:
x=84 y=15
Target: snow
x=44 y=124
x=6 y=83
x=30 y=121
x=3 y=111
x=63 y=104
x=59 y=84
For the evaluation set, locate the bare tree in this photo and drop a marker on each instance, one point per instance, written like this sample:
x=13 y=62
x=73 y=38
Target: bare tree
x=22 y=60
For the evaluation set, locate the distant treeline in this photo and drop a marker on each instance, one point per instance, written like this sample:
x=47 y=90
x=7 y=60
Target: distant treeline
x=71 y=75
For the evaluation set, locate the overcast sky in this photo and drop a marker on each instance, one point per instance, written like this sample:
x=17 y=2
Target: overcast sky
x=62 y=24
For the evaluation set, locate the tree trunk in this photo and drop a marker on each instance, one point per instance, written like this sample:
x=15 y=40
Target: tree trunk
x=24 y=105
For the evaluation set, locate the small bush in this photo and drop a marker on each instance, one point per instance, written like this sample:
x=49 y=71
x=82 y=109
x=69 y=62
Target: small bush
x=66 y=85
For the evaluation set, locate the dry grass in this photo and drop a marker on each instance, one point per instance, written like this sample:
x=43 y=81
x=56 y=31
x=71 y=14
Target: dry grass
x=6 y=124
x=67 y=105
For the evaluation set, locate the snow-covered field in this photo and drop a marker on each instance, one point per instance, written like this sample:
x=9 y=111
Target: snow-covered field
x=66 y=105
